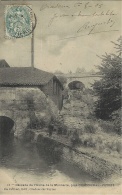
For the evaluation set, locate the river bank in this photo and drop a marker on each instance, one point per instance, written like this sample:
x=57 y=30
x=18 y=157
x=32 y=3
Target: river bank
x=25 y=165
x=95 y=164
x=45 y=163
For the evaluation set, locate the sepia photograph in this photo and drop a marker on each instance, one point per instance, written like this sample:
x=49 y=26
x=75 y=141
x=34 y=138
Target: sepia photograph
x=60 y=97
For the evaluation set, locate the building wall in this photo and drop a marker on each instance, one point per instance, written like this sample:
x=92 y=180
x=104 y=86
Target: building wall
x=7 y=93
x=54 y=90
x=51 y=89
x=15 y=104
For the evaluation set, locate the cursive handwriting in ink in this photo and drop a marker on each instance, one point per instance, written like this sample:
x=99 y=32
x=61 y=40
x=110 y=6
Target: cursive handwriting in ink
x=91 y=27
x=86 y=5
x=55 y=16
x=54 y=6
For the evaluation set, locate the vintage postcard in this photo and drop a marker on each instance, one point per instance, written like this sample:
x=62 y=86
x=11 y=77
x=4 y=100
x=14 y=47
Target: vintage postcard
x=60 y=97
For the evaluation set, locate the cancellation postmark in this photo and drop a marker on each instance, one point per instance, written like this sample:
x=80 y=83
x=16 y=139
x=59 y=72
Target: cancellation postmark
x=18 y=21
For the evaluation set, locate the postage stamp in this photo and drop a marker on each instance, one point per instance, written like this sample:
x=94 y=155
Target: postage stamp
x=18 y=21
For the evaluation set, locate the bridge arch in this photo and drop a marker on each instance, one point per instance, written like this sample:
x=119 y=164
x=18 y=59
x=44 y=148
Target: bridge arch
x=76 y=85
x=6 y=125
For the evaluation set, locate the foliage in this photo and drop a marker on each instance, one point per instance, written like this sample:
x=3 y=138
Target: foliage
x=80 y=70
x=89 y=128
x=107 y=126
x=108 y=89
x=59 y=125
x=116 y=116
x=102 y=142
x=65 y=93
x=58 y=72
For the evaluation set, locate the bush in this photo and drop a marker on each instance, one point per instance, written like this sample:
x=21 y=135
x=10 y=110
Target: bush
x=87 y=140
x=116 y=116
x=65 y=94
x=111 y=126
x=119 y=149
x=76 y=95
x=89 y=128
x=106 y=126
x=59 y=126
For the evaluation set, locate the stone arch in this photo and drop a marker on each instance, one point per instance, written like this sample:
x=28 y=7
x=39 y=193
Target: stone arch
x=6 y=125
x=86 y=80
x=76 y=85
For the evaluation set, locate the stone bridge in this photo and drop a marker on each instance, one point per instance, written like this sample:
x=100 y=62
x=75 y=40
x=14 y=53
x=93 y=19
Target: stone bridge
x=87 y=80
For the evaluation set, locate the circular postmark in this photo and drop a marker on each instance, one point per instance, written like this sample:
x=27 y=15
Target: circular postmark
x=18 y=21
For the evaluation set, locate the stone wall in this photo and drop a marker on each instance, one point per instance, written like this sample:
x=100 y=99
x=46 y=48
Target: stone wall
x=93 y=165
x=15 y=104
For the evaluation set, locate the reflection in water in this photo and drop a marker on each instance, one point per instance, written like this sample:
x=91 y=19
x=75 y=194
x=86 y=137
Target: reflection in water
x=33 y=163
x=6 y=147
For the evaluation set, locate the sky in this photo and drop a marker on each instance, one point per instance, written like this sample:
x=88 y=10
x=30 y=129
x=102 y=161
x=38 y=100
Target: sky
x=68 y=35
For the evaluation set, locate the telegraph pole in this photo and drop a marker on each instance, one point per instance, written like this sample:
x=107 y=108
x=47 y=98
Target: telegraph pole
x=32 y=48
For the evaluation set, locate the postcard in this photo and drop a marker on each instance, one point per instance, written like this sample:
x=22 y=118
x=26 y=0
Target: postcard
x=60 y=97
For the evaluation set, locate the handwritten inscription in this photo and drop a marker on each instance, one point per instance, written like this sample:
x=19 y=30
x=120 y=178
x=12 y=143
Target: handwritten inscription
x=84 y=5
x=92 y=27
x=90 y=18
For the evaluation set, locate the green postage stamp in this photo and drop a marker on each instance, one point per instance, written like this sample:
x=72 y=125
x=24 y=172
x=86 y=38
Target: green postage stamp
x=18 y=21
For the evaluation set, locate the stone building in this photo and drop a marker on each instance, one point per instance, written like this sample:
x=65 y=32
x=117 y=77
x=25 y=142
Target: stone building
x=18 y=77
x=29 y=98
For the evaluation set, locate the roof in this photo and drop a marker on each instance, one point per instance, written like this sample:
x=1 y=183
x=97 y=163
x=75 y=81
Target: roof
x=24 y=76
x=4 y=64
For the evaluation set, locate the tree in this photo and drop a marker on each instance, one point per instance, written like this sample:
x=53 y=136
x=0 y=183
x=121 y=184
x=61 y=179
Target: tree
x=58 y=72
x=108 y=89
x=92 y=71
x=80 y=70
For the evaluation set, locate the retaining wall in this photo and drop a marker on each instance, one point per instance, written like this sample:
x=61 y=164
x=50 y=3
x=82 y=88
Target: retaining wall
x=95 y=166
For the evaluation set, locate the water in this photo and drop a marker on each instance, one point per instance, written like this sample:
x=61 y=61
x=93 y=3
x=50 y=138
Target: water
x=28 y=163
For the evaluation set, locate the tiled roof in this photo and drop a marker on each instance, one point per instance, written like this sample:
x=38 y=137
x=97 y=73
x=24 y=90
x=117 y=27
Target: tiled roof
x=24 y=76
x=3 y=64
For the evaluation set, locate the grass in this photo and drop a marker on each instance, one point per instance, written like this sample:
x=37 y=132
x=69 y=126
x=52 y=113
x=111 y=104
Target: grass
x=101 y=141
x=96 y=135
